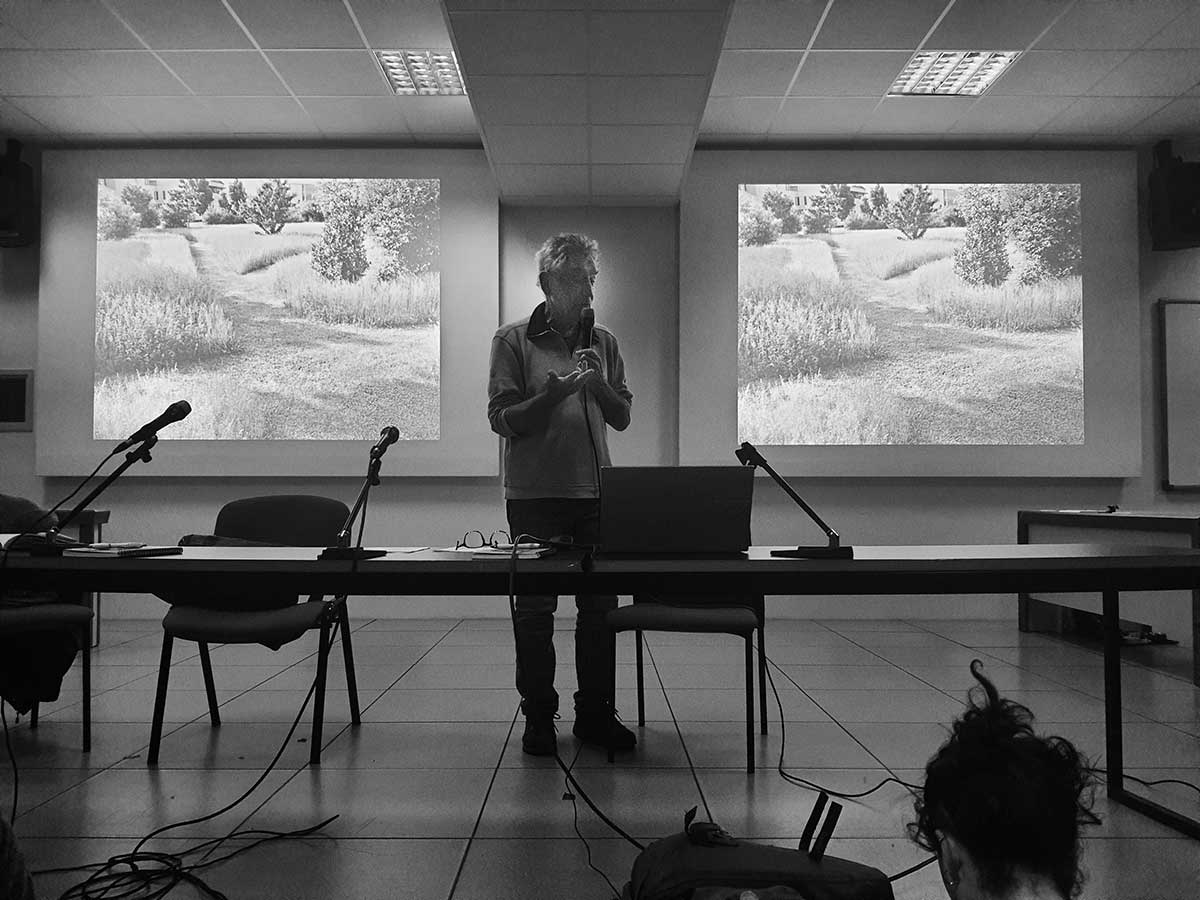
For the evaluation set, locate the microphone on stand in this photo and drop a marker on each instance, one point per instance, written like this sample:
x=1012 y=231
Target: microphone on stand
x=180 y=409
x=387 y=437
x=748 y=455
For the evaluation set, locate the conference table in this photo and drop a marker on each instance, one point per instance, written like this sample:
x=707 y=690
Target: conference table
x=876 y=570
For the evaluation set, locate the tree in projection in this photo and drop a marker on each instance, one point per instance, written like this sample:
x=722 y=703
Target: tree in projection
x=140 y=199
x=179 y=207
x=341 y=253
x=1043 y=220
x=402 y=215
x=982 y=258
x=201 y=191
x=876 y=203
x=912 y=213
x=781 y=206
x=271 y=206
x=115 y=218
x=756 y=226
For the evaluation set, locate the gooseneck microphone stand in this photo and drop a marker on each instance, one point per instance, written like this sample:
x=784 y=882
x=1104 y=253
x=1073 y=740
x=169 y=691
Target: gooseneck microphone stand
x=343 y=550
x=748 y=455
x=50 y=548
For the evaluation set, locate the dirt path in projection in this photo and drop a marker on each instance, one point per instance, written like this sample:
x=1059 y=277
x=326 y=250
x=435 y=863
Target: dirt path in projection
x=317 y=380
x=963 y=385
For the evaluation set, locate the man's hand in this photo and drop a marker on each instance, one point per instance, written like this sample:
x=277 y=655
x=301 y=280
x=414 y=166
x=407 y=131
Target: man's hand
x=560 y=386
x=587 y=358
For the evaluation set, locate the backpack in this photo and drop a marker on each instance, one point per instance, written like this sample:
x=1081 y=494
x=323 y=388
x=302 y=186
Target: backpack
x=704 y=862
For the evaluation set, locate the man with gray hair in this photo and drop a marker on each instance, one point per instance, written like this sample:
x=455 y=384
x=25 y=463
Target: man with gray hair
x=552 y=399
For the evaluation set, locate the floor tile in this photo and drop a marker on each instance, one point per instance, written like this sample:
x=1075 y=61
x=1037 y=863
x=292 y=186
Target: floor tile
x=506 y=869
x=907 y=745
x=411 y=745
x=809 y=745
x=233 y=745
x=925 y=705
x=130 y=803
x=379 y=803
x=465 y=705
x=882 y=676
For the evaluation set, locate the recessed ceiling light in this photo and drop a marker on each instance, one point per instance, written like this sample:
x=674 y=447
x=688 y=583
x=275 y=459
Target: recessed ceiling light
x=951 y=73
x=426 y=72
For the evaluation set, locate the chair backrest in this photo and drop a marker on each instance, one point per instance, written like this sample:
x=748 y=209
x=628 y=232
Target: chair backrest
x=297 y=520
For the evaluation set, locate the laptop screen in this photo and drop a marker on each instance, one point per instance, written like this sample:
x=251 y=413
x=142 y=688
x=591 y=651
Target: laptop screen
x=675 y=510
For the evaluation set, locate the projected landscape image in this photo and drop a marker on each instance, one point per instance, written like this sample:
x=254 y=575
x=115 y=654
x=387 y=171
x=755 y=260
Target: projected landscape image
x=281 y=309
x=910 y=314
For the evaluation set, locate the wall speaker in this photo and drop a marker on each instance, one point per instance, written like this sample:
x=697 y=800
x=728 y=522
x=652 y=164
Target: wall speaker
x=16 y=400
x=18 y=205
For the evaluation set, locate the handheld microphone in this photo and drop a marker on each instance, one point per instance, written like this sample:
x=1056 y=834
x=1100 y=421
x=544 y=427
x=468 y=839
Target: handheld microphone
x=180 y=409
x=587 y=323
x=387 y=437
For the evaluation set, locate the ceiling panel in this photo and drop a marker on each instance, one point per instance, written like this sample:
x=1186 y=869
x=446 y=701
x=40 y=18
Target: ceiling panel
x=877 y=24
x=772 y=24
x=841 y=73
x=225 y=73
x=994 y=24
x=636 y=180
x=86 y=116
x=1180 y=34
x=331 y=73
x=646 y=99
x=10 y=38
x=402 y=24
x=15 y=123
x=509 y=100
x=1176 y=119
x=1000 y=115
x=1115 y=24
x=654 y=43
x=804 y=116
x=33 y=73
x=916 y=115
x=440 y=116
x=524 y=144
x=169 y=116
x=68 y=25
x=543 y=181
x=1070 y=72
x=117 y=73
x=264 y=115
x=521 y=43
x=182 y=24
x=1103 y=115
x=755 y=73
x=1149 y=73
x=298 y=24
x=730 y=115
x=653 y=144
x=359 y=116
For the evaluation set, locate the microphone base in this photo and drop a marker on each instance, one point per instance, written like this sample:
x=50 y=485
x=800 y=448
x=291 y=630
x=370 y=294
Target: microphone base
x=350 y=553
x=815 y=553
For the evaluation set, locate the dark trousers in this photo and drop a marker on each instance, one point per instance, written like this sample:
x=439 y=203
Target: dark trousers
x=594 y=654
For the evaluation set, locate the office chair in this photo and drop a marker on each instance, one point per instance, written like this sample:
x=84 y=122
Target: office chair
x=742 y=616
x=272 y=619
x=57 y=616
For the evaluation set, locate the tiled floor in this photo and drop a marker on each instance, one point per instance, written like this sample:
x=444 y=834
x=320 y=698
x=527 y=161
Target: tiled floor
x=434 y=798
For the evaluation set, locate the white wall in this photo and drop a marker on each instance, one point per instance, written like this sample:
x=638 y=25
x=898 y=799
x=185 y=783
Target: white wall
x=637 y=297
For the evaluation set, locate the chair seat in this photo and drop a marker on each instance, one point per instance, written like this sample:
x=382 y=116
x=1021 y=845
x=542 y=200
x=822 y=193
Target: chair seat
x=663 y=617
x=273 y=627
x=43 y=617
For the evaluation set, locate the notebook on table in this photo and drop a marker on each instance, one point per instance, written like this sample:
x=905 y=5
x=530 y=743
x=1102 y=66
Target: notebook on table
x=679 y=511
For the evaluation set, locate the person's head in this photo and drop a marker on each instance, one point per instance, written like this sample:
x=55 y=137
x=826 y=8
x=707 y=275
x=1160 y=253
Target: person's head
x=567 y=267
x=1002 y=807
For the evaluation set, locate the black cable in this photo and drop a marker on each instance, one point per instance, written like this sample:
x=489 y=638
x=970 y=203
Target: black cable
x=803 y=782
x=912 y=869
x=679 y=731
x=153 y=875
x=1095 y=770
x=567 y=795
x=13 y=761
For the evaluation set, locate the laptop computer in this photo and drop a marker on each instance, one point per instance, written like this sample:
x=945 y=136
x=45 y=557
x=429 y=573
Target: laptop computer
x=675 y=510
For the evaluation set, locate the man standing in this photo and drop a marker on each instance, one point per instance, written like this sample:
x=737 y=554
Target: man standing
x=552 y=400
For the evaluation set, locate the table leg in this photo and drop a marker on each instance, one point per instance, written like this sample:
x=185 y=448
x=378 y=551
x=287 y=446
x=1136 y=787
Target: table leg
x=1114 y=749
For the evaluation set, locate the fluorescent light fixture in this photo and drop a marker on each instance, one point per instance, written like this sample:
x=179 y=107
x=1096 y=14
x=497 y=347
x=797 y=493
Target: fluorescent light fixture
x=951 y=73
x=424 y=72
